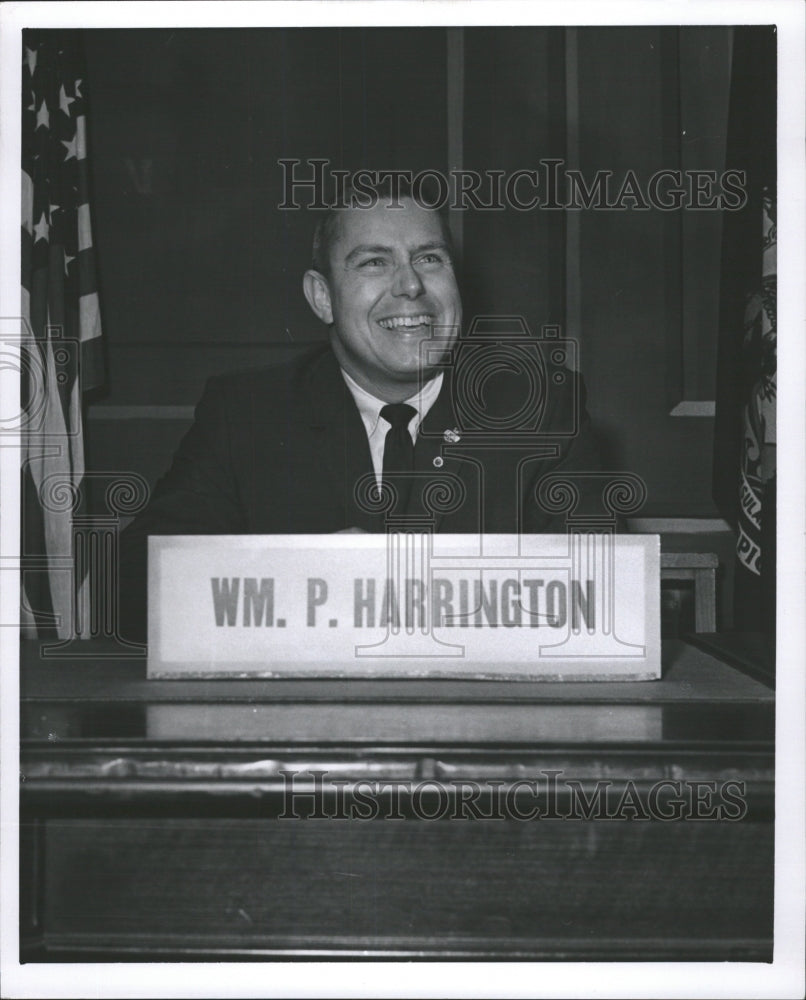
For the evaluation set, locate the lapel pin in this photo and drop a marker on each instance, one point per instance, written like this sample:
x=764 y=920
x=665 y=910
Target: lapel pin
x=452 y=436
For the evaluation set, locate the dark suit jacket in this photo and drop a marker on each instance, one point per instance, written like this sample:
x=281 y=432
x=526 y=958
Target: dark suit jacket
x=280 y=451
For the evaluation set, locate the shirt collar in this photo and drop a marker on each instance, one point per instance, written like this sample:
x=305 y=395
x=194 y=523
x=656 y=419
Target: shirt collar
x=370 y=406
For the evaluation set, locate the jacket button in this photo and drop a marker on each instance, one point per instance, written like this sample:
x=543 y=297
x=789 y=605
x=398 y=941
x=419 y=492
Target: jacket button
x=439 y=461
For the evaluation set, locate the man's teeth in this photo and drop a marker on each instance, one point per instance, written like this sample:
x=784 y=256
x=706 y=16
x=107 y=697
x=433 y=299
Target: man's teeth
x=397 y=322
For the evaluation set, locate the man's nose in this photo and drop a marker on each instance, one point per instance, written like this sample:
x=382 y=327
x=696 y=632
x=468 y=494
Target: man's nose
x=407 y=282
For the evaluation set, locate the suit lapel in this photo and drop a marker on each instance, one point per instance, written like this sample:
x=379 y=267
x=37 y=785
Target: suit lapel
x=433 y=455
x=344 y=453
x=343 y=448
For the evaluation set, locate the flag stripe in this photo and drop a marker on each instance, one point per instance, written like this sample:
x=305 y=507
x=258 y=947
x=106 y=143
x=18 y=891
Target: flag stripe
x=27 y=203
x=81 y=138
x=90 y=317
x=35 y=583
x=87 y=281
x=84 y=227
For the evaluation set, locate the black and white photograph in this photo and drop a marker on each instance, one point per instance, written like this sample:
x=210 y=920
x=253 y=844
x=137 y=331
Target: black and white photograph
x=402 y=581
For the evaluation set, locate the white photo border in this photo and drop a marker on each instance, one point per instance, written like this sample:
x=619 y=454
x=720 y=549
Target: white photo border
x=785 y=976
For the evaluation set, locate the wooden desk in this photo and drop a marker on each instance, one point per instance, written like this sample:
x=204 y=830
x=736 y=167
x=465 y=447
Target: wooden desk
x=154 y=816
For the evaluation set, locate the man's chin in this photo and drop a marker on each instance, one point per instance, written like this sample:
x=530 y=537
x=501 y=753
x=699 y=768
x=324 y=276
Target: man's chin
x=412 y=368
x=406 y=375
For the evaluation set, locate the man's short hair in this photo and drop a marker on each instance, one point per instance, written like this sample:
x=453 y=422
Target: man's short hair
x=389 y=191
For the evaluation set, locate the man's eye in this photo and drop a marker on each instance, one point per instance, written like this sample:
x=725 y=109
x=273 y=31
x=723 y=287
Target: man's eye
x=431 y=258
x=373 y=262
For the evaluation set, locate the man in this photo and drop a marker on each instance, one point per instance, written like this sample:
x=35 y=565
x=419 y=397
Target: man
x=300 y=448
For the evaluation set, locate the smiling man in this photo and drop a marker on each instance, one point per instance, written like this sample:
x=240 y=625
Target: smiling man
x=292 y=449
x=384 y=280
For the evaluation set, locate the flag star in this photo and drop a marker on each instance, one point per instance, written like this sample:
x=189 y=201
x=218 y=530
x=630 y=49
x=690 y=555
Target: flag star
x=77 y=88
x=67 y=260
x=43 y=116
x=30 y=58
x=70 y=148
x=64 y=100
x=41 y=229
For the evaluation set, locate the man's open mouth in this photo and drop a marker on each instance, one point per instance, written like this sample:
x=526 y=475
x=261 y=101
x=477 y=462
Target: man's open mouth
x=406 y=322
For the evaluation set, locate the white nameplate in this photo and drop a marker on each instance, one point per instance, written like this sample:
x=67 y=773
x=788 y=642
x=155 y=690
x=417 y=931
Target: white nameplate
x=553 y=607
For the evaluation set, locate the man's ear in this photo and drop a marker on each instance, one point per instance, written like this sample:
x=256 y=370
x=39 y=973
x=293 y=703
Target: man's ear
x=317 y=292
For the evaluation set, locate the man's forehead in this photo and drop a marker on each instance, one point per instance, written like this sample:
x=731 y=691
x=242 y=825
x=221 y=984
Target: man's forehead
x=403 y=225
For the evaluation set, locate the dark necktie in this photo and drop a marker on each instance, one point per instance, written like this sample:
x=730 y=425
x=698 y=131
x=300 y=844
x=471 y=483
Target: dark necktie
x=398 y=451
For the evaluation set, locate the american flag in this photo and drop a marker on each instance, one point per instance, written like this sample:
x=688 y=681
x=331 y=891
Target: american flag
x=62 y=326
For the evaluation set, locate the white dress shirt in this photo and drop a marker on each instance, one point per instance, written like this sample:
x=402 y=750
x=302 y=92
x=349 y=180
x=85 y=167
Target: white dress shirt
x=376 y=426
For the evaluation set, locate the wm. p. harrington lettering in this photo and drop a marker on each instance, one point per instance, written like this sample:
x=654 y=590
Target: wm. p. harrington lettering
x=446 y=603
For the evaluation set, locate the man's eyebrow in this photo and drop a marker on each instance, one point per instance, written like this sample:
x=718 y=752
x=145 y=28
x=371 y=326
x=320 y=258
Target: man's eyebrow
x=378 y=248
x=366 y=248
x=433 y=245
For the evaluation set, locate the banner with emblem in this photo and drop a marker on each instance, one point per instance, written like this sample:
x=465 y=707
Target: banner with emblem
x=744 y=425
x=758 y=416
